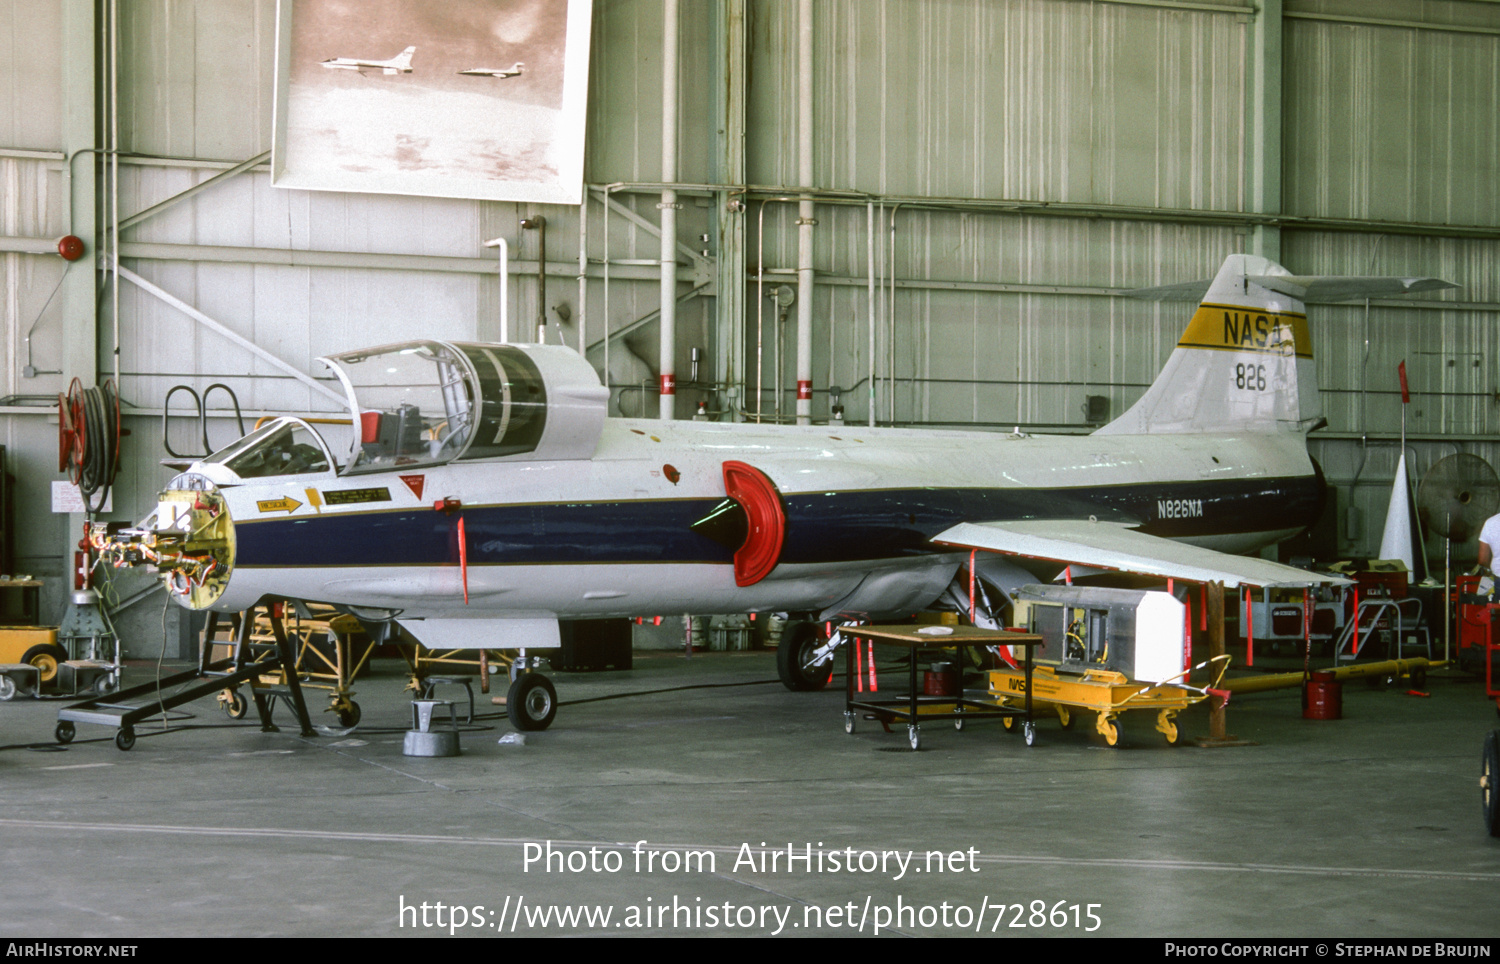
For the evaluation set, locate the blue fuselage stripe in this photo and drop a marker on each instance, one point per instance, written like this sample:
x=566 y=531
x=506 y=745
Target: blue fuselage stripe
x=821 y=528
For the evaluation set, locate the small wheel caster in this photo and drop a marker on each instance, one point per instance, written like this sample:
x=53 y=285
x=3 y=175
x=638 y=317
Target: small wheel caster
x=349 y=716
x=125 y=738
x=64 y=732
x=848 y=721
x=914 y=736
x=235 y=705
x=1030 y=731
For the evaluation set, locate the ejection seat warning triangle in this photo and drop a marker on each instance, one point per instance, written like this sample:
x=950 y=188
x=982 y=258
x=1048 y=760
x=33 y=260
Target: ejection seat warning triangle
x=416 y=483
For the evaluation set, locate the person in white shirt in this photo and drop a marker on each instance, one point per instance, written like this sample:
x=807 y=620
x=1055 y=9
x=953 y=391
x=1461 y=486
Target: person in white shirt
x=1489 y=541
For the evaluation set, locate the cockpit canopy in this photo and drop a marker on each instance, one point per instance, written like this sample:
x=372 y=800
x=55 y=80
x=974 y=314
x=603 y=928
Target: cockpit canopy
x=430 y=402
x=283 y=446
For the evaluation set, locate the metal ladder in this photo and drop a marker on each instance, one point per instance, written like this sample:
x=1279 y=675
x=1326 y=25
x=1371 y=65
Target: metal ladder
x=1400 y=616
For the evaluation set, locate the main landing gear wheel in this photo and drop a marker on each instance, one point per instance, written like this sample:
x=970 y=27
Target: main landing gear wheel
x=1489 y=775
x=1108 y=729
x=125 y=738
x=1166 y=725
x=532 y=702
x=64 y=731
x=798 y=641
x=1009 y=722
x=1065 y=717
x=914 y=736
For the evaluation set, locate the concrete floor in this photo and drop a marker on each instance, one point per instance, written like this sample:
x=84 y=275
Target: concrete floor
x=1365 y=827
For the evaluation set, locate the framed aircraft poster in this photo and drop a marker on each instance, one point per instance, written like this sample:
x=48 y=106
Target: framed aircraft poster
x=466 y=98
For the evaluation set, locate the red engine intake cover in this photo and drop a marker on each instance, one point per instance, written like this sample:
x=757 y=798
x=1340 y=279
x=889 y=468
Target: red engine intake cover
x=757 y=495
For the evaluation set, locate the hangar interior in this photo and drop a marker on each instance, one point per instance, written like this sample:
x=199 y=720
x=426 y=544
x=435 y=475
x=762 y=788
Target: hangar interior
x=886 y=213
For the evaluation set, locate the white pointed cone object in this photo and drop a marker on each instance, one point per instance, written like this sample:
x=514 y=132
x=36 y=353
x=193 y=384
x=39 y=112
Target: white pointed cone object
x=1396 y=542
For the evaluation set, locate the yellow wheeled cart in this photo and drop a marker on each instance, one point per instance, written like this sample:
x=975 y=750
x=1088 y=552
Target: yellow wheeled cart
x=1107 y=650
x=1105 y=693
x=330 y=650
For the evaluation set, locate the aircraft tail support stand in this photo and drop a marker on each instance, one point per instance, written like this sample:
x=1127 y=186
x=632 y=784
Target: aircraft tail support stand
x=1217 y=728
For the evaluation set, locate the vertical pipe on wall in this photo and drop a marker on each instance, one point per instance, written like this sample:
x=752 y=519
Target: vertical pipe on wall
x=729 y=342
x=1267 y=39
x=504 y=286
x=583 y=273
x=890 y=341
x=760 y=309
x=805 y=220
x=607 y=386
x=876 y=346
x=114 y=180
x=668 y=365
x=504 y=290
x=870 y=297
x=80 y=129
x=540 y=223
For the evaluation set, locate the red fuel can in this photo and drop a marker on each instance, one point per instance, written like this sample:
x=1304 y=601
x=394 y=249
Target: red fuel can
x=1323 y=697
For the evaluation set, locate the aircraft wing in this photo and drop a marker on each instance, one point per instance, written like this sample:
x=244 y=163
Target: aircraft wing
x=1115 y=545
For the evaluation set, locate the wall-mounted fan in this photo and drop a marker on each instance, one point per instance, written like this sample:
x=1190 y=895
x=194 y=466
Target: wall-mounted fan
x=1455 y=498
x=1457 y=495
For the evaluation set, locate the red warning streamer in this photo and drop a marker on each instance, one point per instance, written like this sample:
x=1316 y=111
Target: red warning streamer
x=1249 y=628
x=971 y=585
x=463 y=558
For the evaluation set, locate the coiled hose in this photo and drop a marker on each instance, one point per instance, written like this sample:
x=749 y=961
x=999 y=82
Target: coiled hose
x=88 y=449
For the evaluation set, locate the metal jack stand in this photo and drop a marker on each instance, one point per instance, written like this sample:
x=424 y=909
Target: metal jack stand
x=85 y=630
x=248 y=664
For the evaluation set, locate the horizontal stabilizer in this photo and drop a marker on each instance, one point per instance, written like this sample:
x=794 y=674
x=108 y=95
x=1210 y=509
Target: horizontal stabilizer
x=1182 y=291
x=1114 y=545
x=1313 y=289
x=1328 y=289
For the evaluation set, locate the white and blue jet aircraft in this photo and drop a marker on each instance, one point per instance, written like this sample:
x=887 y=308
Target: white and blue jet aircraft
x=499 y=73
x=399 y=64
x=486 y=496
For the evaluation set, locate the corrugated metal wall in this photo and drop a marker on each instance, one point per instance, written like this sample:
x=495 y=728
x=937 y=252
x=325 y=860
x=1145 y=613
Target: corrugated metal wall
x=1390 y=119
x=1036 y=99
x=997 y=317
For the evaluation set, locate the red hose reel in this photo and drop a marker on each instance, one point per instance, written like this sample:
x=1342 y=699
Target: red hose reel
x=88 y=438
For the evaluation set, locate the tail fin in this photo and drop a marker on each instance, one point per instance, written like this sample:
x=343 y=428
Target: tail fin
x=1245 y=361
x=402 y=61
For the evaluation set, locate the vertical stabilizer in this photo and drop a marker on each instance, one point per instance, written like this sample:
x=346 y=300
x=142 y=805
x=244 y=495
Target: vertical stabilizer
x=401 y=63
x=1244 y=363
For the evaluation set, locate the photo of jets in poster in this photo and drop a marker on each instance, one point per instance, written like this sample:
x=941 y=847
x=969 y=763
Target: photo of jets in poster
x=469 y=98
